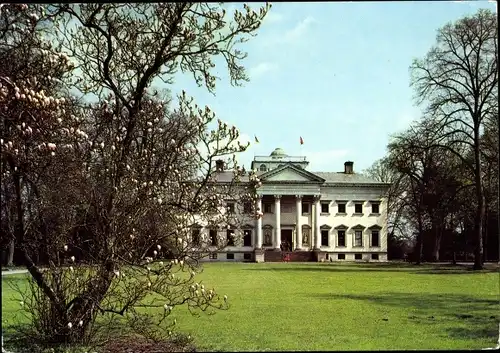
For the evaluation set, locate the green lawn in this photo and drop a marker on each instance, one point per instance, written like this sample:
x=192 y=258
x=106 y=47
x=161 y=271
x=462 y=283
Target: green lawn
x=339 y=307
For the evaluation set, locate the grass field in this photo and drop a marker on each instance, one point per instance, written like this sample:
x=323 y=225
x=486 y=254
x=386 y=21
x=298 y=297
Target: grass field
x=277 y=306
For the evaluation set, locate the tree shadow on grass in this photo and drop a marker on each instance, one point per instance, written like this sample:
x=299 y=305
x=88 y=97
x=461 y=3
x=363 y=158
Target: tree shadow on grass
x=21 y=279
x=359 y=268
x=465 y=317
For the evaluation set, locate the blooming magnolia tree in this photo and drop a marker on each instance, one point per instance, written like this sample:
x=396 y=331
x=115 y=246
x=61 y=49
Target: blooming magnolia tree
x=36 y=114
x=137 y=175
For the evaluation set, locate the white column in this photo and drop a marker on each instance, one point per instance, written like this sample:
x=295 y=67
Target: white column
x=277 y=211
x=298 y=227
x=258 y=233
x=317 y=233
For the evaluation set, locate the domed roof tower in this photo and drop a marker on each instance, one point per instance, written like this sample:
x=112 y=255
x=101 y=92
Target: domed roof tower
x=278 y=152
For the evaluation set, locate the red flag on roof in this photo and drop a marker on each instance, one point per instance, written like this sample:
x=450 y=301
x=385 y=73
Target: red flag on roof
x=301 y=140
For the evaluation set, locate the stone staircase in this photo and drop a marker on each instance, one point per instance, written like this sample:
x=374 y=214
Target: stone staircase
x=295 y=256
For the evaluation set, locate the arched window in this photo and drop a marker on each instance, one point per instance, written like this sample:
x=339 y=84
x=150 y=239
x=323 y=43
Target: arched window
x=262 y=168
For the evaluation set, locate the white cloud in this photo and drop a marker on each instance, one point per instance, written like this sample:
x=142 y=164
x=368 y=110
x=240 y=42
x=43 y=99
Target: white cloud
x=326 y=160
x=404 y=121
x=261 y=69
x=300 y=29
x=273 y=17
x=243 y=139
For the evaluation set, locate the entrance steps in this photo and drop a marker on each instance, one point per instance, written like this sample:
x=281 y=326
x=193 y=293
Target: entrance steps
x=295 y=256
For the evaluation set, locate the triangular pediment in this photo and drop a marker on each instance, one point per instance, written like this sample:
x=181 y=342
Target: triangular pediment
x=289 y=172
x=359 y=227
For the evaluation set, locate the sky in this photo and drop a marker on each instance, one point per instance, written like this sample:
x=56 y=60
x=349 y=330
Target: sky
x=335 y=74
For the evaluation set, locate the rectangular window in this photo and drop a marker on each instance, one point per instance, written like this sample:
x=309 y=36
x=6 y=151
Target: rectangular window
x=213 y=237
x=247 y=238
x=247 y=207
x=375 y=208
x=325 y=208
x=247 y=256
x=324 y=238
x=358 y=238
x=230 y=237
x=305 y=208
x=230 y=207
x=341 y=207
x=375 y=238
x=358 y=257
x=341 y=238
x=374 y=256
x=267 y=208
x=195 y=234
x=358 y=208
x=213 y=256
x=230 y=256
x=341 y=256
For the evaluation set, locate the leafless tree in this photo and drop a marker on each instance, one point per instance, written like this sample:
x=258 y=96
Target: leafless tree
x=458 y=82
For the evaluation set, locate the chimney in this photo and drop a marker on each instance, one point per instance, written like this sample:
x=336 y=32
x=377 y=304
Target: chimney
x=348 y=167
x=219 y=165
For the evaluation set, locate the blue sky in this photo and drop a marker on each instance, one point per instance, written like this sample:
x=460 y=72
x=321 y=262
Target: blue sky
x=334 y=73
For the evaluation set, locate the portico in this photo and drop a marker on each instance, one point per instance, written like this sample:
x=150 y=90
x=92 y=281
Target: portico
x=288 y=218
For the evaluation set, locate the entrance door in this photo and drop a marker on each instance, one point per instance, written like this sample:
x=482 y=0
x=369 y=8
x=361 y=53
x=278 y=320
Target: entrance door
x=287 y=239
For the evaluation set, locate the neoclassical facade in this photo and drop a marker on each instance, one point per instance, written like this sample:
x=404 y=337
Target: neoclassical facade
x=313 y=216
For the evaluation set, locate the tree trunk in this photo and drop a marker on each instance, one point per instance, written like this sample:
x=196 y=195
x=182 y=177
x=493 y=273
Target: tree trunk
x=437 y=239
x=485 y=235
x=437 y=244
x=478 y=220
x=453 y=242
x=417 y=252
x=420 y=243
x=10 y=253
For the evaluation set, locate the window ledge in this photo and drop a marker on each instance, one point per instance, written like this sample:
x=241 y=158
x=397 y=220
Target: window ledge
x=358 y=246
x=341 y=246
x=324 y=214
x=374 y=214
x=341 y=214
x=357 y=214
x=305 y=213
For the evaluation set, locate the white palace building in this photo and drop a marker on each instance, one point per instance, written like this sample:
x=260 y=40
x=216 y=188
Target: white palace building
x=312 y=216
